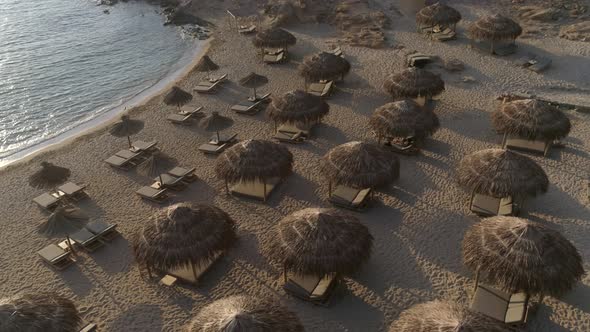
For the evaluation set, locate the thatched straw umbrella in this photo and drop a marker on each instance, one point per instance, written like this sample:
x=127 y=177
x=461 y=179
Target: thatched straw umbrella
x=495 y=28
x=156 y=164
x=522 y=256
x=245 y=314
x=403 y=118
x=321 y=242
x=445 y=317
x=45 y=312
x=414 y=83
x=531 y=119
x=324 y=66
x=298 y=107
x=126 y=127
x=183 y=235
x=215 y=122
x=253 y=81
x=49 y=176
x=274 y=37
x=502 y=173
x=438 y=14
x=359 y=165
x=206 y=65
x=177 y=96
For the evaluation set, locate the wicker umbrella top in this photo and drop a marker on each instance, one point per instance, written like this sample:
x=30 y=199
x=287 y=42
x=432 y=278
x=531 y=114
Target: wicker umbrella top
x=438 y=13
x=298 y=106
x=414 y=82
x=324 y=66
x=126 y=127
x=206 y=64
x=215 y=122
x=177 y=97
x=495 y=27
x=274 y=37
x=403 y=119
x=45 y=312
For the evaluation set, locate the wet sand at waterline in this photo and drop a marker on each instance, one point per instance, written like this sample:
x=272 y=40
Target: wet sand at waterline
x=418 y=223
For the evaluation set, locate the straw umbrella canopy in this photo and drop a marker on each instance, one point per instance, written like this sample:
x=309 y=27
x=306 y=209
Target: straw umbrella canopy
x=412 y=83
x=360 y=165
x=126 y=127
x=522 y=256
x=253 y=81
x=438 y=14
x=253 y=160
x=502 y=173
x=532 y=119
x=49 y=176
x=444 y=316
x=45 y=312
x=274 y=37
x=403 y=119
x=178 y=97
x=245 y=314
x=324 y=66
x=156 y=164
x=319 y=242
x=298 y=107
x=206 y=65
x=183 y=234
x=215 y=122
x=494 y=27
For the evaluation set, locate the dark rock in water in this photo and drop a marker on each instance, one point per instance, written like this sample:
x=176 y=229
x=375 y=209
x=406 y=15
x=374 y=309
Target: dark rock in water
x=179 y=16
x=106 y=11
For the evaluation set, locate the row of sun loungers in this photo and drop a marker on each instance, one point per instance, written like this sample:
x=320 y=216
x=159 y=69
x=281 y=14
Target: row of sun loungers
x=68 y=190
x=89 y=238
x=129 y=158
x=217 y=145
x=176 y=179
x=211 y=85
x=251 y=107
x=185 y=115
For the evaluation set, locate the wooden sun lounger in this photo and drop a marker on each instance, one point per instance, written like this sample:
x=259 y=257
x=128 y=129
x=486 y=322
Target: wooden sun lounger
x=185 y=174
x=87 y=240
x=141 y=146
x=290 y=133
x=350 y=198
x=248 y=107
x=124 y=159
x=275 y=58
x=169 y=182
x=311 y=288
x=244 y=29
x=497 y=304
x=47 y=201
x=444 y=35
x=73 y=191
x=56 y=257
x=152 y=194
x=185 y=115
x=492 y=206
x=223 y=138
x=407 y=149
x=418 y=60
x=209 y=148
x=103 y=230
x=208 y=86
x=518 y=143
x=321 y=89
x=255 y=189
x=90 y=327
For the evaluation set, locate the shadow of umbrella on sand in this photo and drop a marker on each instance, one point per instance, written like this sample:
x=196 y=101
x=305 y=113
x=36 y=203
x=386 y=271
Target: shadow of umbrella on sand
x=177 y=96
x=126 y=127
x=215 y=123
x=156 y=164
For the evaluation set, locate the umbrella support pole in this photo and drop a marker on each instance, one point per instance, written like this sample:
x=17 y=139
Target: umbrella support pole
x=149 y=271
x=285 y=273
x=476 y=281
x=226 y=188
x=194 y=272
x=129 y=140
x=330 y=189
x=492 y=47
x=264 y=183
x=70 y=245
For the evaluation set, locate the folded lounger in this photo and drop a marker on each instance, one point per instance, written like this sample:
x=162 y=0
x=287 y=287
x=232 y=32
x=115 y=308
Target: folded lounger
x=492 y=206
x=249 y=107
x=56 y=257
x=47 y=201
x=72 y=190
x=208 y=86
x=102 y=229
x=321 y=89
x=185 y=174
x=350 y=198
x=87 y=240
x=505 y=307
x=185 y=115
x=311 y=288
x=169 y=182
x=255 y=189
x=152 y=194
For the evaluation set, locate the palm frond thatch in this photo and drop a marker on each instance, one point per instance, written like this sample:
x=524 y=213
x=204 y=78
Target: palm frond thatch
x=438 y=14
x=177 y=97
x=274 y=37
x=254 y=160
x=156 y=164
x=205 y=65
x=183 y=234
x=49 y=176
x=360 y=165
x=532 y=119
x=45 y=312
x=413 y=82
x=63 y=220
x=126 y=127
x=502 y=173
x=253 y=81
x=320 y=241
x=245 y=314
x=445 y=316
x=298 y=106
x=403 y=119
x=215 y=122
x=324 y=66
x=494 y=27
x=520 y=255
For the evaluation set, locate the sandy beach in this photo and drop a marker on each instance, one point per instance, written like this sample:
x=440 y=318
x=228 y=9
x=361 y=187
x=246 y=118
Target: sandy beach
x=418 y=223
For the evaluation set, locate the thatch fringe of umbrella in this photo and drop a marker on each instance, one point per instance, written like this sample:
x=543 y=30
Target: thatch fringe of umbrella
x=245 y=314
x=360 y=165
x=215 y=122
x=297 y=107
x=206 y=65
x=495 y=27
x=519 y=255
x=321 y=242
x=404 y=118
x=253 y=81
x=274 y=37
x=126 y=127
x=183 y=234
x=502 y=173
x=177 y=97
x=446 y=316
x=532 y=119
x=45 y=312
x=324 y=66
x=412 y=83
x=438 y=14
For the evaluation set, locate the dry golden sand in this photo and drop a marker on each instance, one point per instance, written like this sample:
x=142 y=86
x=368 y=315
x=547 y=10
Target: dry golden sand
x=418 y=224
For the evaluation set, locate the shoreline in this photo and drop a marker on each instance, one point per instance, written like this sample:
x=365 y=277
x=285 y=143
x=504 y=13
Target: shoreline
x=188 y=60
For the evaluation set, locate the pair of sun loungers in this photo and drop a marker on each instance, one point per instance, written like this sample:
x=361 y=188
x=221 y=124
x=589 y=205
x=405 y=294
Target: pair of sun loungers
x=69 y=190
x=175 y=179
x=497 y=304
x=293 y=133
x=89 y=238
x=211 y=85
x=190 y=273
x=255 y=189
x=403 y=145
x=351 y=198
x=185 y=115
x=275 y=56
x=519 y=143
x=487 y=206
x=310 y=288
x=321 y=89
x=251 y=107
x=217 y=145
x=128 y=158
